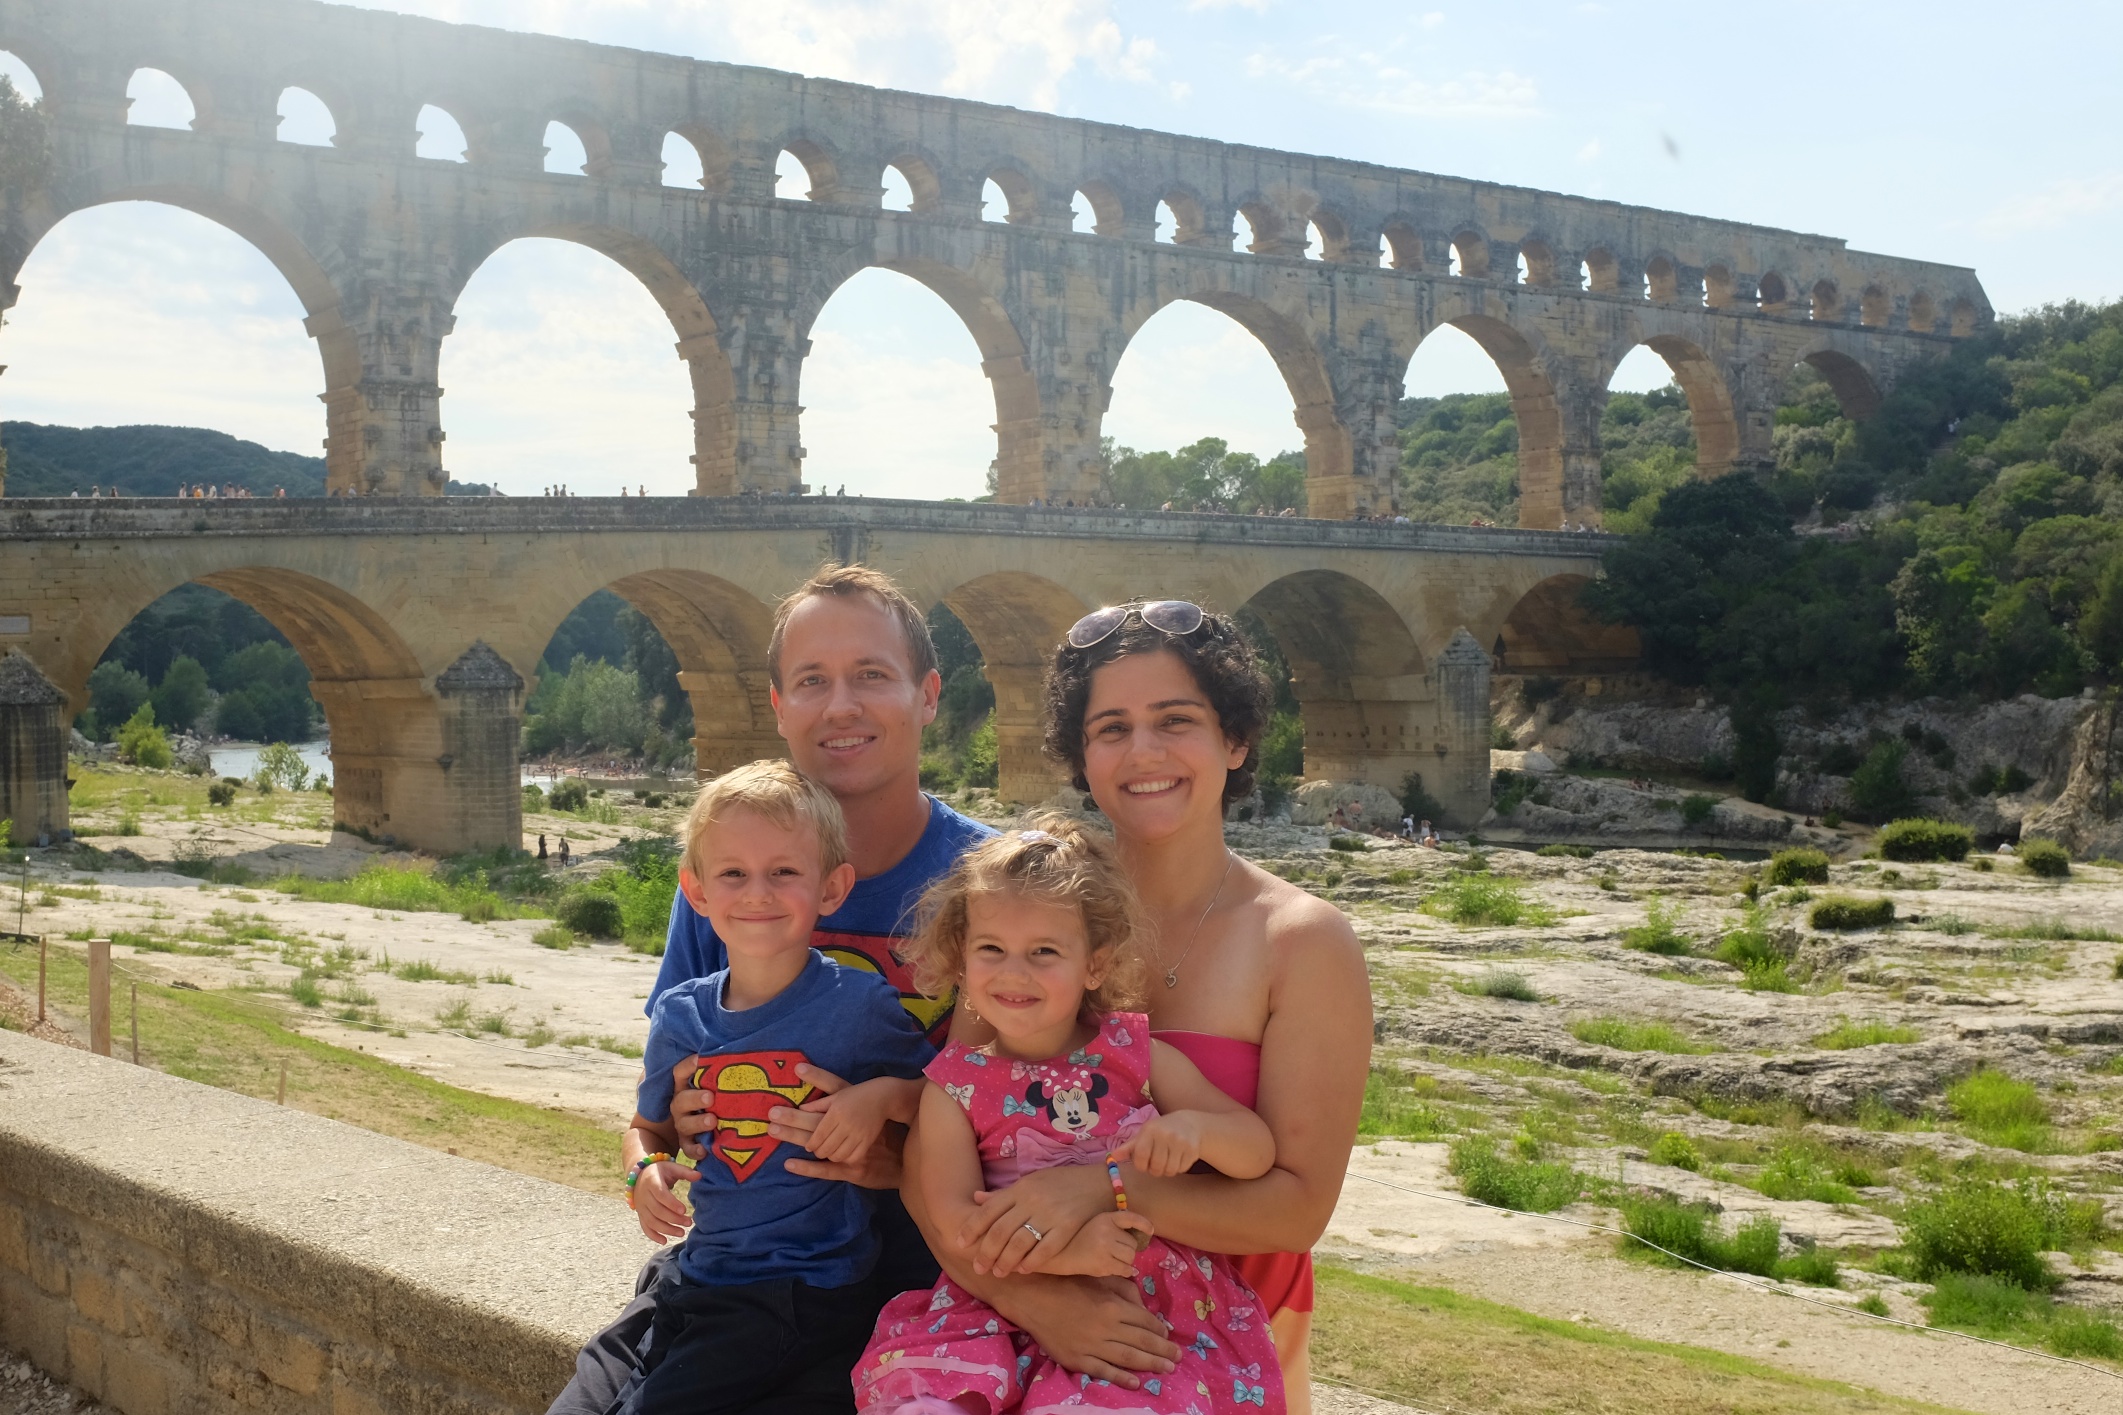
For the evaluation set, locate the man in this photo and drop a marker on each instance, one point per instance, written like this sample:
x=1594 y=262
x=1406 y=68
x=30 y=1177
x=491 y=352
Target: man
x=854 y=680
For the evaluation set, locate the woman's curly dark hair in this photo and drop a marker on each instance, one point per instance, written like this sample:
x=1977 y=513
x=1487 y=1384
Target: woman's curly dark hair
x=1216 y=654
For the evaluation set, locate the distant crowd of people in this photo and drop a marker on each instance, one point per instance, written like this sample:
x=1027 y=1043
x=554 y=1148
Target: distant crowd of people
x=198 y=491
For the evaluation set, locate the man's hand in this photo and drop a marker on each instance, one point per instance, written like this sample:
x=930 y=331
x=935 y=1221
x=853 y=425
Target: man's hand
x=1168 y=1145
x=1105 y=1247
x=662 y=1214
x=692 y=1112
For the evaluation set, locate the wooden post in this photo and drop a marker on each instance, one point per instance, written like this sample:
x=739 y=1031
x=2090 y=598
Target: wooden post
x=136 y=1024
x=99 y=996
x=281 y=1099
x=43 y=948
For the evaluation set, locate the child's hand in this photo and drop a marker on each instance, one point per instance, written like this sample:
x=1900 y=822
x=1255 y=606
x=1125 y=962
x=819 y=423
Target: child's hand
x=1104 y=1247
x=661 y=1213
x=840 y=1127
x=1168 y=1145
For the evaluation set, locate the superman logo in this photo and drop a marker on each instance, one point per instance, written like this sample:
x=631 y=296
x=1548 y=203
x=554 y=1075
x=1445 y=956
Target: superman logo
x=746 y=1085
x=873 y=954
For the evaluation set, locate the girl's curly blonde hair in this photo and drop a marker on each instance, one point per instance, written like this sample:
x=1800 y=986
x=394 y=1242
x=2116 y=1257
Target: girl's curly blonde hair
x=1054 y=860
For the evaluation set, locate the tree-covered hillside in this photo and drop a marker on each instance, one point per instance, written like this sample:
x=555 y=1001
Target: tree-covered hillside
x=144 y=460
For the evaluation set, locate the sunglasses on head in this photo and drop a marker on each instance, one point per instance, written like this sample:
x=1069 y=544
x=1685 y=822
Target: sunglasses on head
x=1168 y=616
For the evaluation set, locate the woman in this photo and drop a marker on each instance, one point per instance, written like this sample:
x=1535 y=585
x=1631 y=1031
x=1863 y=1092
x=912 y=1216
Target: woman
x=1157 y=711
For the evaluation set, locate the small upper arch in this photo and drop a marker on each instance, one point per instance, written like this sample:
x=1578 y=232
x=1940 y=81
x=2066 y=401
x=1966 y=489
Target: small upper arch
x=1470 y=254
x=566 y=154
x=1331 y=232
x=1601 y=271
x=1827 y=302
x=817 y=165
x=1402 y=244
x=305 y=119
x=1923 y=313
x=924 y=189
x=1874 y=306
x=1015 y=198
x=696 y=155
x=1772 y=293
x=1962 y=317
x=1102 y=201
x=1264 y=226
x=1189 y=224
x=155 y=99
x=1718 y=286
x=1662 y=281
x=1536 y=262
x=17 y=71
x=437 y=134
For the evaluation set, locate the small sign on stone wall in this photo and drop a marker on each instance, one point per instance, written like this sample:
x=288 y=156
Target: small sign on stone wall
x=14 y=624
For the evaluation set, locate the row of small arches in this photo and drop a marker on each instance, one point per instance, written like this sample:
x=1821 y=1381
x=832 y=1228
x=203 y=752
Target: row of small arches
x=804 y=170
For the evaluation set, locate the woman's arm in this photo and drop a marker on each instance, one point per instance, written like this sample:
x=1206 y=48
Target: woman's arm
x=1315 y=1054
x=1199 y=1123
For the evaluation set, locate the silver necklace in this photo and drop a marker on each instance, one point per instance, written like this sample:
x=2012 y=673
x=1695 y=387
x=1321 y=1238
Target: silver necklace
x=1172 y=973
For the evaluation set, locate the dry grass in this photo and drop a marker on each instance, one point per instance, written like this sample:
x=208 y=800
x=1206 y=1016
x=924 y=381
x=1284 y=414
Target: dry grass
x=1436 y=1348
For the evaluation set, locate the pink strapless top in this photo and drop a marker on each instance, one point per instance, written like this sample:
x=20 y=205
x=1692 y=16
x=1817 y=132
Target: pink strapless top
x=1232 y=1066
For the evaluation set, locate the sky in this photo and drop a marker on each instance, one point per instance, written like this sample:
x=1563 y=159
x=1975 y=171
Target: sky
x=1938 y=131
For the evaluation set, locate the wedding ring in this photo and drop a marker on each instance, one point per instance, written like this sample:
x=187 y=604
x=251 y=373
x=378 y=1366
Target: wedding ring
x=1037 y=1236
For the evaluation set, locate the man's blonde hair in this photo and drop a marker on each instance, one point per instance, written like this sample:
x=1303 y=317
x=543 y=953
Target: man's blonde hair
x=1054 y=860
x=841 y=581
x=780 y=793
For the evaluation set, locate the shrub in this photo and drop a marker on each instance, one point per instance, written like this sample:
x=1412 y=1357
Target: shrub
x=281 y=765
x=1675 y=1149
x=1697 y=809
x=1793 y=1173
x=1484 y=899
x=1843 y=911
x=1982 y=1226
x=221 y=794
x=533 y=799
x=1566 y=852
x=1796 y=867
x=1512 y=987
x=1831 y=819
x=1749 y=948
x=1877 y=789
x=2000 y=1110
x=1510 y=789
x=2040 y=857
x=1417 y=802
x=592 y=912
x=1922 y=839
x=1657 y=933
x=1531 y=1186
x=1637 y=1036
x=1849 y=1035
x=555 y=936
x=569 y=795
x=142 y=743
x=1348 y=844
x=1691 y=1231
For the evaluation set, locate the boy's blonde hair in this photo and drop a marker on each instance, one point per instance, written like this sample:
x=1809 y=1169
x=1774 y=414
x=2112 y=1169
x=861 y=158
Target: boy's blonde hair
x=777 y=791
x=1054 y=861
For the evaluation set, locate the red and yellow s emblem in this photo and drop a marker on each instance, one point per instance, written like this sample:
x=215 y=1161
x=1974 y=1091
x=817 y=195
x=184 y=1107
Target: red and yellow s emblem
x=872 y=953
x=746 y=1085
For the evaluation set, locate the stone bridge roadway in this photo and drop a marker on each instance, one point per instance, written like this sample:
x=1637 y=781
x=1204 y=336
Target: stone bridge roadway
x=422 y=622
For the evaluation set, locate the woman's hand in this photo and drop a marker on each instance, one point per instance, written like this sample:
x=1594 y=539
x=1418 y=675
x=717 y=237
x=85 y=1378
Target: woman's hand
x=1096 y=1327
x=662 y=1214
x=1168 y=1145
x=1025 y=1227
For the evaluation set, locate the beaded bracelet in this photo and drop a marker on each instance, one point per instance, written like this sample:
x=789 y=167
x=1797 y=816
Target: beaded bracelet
x=1120 y=1199
x=634 y=1174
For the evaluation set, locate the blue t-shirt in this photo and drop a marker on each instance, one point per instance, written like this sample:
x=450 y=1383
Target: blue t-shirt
x=859 y=933
x=752 y=1219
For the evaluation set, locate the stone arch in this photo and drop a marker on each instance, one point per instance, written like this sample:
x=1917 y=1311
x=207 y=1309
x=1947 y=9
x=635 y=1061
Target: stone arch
x=583 y=120
x=719 y=632
x=1107 y=216
x=1020 y=195
x=919 y=173
x=429 y=130
x=1661 y=280
x=1857 y=391
x=1537 y=411
x=1404 y=244
x=1358 y=672
x=1710 y=408
x=1923 y=313
x=1538 y=257
x=1017 y=618
x=1264 y=224
x=1961 y=316
x=32 y=64
x=819 y=165
x=143 y=83
x=1019 y=462
x=1718 y=287
x=1772 y=292
x=1549 y=632
x=557 y=141
x=1333 y=233
x=1471 y=249
x=717 y=161
x=1190 y=226
x=1873 y=307
x=1601 y=271
x=304 y=98
x=699 y=343
x=1827 y=306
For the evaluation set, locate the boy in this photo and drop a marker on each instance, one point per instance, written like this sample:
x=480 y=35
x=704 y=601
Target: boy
x=770 y=1301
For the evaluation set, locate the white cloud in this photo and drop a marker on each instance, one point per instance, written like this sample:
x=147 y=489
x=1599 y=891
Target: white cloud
x=2055 y=205
x=1378 y=83
x=1432 y=19
x=1590 y=151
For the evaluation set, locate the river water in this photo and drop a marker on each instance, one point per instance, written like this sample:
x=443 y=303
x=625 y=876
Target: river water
x=241 y=758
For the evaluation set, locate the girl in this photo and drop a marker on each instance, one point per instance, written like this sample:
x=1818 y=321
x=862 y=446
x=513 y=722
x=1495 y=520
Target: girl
x=1037 y=932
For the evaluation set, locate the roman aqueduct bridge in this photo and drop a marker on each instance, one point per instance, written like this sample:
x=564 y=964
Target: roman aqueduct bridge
x=379 y=243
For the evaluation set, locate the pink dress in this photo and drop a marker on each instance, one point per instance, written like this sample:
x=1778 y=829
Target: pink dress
x=946 y=1342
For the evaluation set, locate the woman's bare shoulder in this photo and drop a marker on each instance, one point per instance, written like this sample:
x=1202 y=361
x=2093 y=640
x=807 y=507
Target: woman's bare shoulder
x=1303 y=926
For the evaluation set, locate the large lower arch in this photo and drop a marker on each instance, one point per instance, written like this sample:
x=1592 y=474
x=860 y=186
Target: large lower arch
x=1020 y=453
x=719 y=633
x=1717 y=427
x=1370 y=708
x=699 y=345
x=1857 y=391
x=1550 y=633
x=1542 y=465
x=1017 y=619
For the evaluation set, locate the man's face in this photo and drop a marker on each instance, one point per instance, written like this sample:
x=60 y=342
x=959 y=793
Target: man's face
x=849 y=704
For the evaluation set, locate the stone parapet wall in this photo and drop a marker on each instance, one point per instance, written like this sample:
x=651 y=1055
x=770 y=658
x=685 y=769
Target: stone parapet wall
x=223 y=1253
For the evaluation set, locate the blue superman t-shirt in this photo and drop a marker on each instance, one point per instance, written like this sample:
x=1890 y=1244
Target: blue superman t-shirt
x=752 y=1219
x=859 y=934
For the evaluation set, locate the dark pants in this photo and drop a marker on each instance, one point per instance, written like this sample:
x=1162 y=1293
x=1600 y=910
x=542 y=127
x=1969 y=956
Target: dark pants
x=618 y=1356
x=760 y=1348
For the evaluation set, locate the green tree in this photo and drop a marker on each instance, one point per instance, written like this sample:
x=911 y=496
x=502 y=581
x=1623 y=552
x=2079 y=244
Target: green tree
x=25 y=140
x=115 y=693
x=142 y=743
x=281 y=766
x=182 y=695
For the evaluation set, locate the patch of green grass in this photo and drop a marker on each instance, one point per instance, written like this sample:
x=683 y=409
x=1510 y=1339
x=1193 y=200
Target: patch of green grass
x=1529 y=1185
x=1847 y=1035
x=1843 y=912
x=303 y=988
x=1394 y=1108
x=406 y=889
x=1795 y=1172
x=2055 y=931
x=1990 y=1228
x=2005 y=1311
x=1798 y=866
x=498 y=976
x=1566 y=852
x=1750 y=948
x=1998 y=1110
x=1657 y=933
x=1675 y=1149
x=555 y=936
x=1692 y=1231
x=1625 y=1035
x=1484 y=899
x=421 y=970
x=1512 y=987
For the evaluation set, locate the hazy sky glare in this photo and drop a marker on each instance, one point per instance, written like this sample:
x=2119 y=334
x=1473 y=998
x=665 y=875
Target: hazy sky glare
x=1939 y=131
